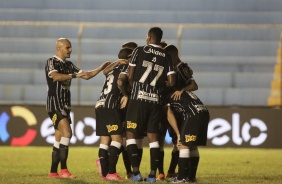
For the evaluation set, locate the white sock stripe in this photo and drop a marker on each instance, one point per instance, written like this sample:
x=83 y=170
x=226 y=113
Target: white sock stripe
x=116 y=144
x=104 y=146
x=130 y=141
x=57 y=144
x=65 y=141
x=154 y=144
x=184 y=153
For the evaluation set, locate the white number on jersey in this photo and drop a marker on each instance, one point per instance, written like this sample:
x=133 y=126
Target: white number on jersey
x=149 y=67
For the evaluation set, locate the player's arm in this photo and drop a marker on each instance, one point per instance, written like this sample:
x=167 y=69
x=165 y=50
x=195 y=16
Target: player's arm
x=114 y=64
x=193 y=86
x=90 y=74
x=56 y=76
x=170 y=79
x=172 y=121
x=131 y=70
x=122 y=84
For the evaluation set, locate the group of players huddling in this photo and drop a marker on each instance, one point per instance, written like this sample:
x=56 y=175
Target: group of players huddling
x=147 y=91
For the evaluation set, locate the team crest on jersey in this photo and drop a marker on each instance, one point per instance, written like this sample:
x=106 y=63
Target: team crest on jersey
x=54 y=118
x=112 y=128
x=130 y=124
x=190 y=138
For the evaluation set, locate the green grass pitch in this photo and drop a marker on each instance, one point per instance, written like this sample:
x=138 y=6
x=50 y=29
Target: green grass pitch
x=28 y=165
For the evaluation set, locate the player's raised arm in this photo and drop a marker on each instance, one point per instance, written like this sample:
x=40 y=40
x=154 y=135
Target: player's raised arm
x=90 y=74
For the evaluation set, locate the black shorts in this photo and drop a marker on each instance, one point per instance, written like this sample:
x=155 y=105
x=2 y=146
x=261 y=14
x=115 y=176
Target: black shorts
x=143 y=117
x=109 y=121
x=194 y=130
x=57 y=116
x=163 y=126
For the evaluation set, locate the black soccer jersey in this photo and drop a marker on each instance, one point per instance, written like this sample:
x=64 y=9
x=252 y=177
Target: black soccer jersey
x=111 y=95
x=152 y=66
x=184 y=76
x=188 y=104
x=59 y=96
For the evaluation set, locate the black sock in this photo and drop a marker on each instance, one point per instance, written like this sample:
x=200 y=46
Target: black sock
x=55 y=159
x=173 y=161
x=183 y=164
x=113 y=158
x=133 y=157
x=64 y=152
x=140 y=154
x=155 y=154
x=161 y=163
x=104 y=161
x=126 y=160
x=194 y=161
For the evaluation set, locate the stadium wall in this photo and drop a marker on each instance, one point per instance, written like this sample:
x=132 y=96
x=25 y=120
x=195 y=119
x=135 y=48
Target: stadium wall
x=256 y=127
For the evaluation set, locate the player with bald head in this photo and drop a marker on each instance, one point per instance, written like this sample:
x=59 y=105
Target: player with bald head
x=59 y=74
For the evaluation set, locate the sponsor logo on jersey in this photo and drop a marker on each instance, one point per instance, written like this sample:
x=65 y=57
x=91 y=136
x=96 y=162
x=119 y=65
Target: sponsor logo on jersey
x=112 y=128
x=190 y=138
x=149 y=49
x=147 y=96
x=130 y=124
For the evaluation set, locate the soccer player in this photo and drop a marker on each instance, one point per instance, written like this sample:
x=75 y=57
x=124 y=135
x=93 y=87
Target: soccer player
x=163 y=129
x=59 y=73
x=127 y=164
x=192 y=116
x=150 y=69
x=110 y=117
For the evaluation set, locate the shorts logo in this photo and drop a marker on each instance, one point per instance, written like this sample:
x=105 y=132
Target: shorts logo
x=112 y=128
x=131 y=125
x=54 y=118
x=190 y=138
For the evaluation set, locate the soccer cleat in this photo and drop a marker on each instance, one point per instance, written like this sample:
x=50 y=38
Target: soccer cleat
x=161 y=177
x=128 y=175
x=171 y=176
x=137 y=177
x=54 y=175
x=175 y=180
x=64 y=173
x=150 y=180
x=113 y=177
x=98 y=164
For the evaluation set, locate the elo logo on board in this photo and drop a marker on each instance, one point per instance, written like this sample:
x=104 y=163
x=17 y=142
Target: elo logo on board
x=29 y=118
x=218 y=127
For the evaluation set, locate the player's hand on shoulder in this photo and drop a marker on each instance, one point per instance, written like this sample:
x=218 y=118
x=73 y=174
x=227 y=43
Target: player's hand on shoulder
x=176 y=95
